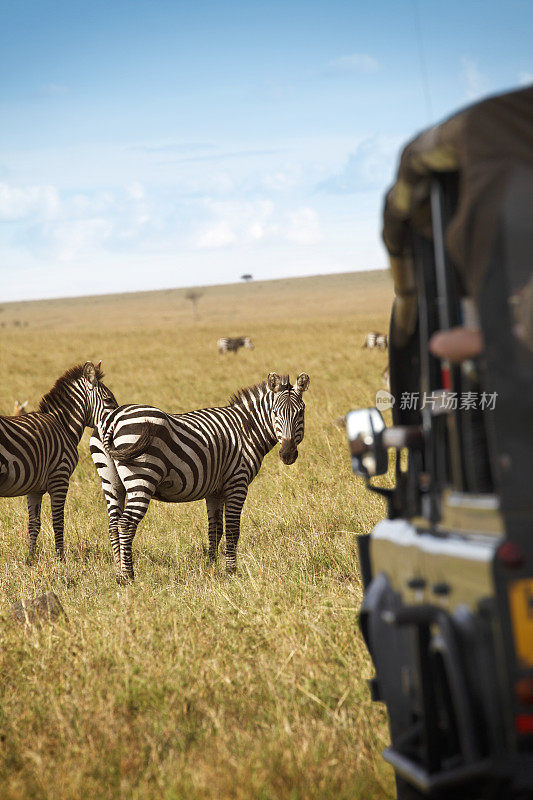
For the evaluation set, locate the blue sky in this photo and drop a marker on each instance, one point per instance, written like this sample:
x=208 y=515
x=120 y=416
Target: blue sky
x=153 y=144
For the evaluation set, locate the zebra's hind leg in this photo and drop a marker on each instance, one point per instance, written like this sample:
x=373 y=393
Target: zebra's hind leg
x=34 y=514
x=115 y=497
x=215 y=509
x=58 y=495
x=115 y=512
x=114 y=491
x=136 y=508
x=233 y=508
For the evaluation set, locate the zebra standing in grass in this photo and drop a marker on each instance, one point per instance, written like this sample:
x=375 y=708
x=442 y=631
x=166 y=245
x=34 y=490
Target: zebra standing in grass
x=376 y=339
x=370 y=340
x=39 y=451
x=228 y=345
x=212 y=454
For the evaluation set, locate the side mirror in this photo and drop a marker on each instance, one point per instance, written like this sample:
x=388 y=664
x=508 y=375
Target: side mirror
x=364 y=429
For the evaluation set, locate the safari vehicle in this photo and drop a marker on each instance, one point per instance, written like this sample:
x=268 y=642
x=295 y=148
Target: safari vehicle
x=447 y=613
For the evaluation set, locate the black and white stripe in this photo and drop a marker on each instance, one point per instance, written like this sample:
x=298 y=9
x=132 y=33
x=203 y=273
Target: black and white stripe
x=229 y=345
x=376 y=339
x=212 y=454
x=39 y=451
x=370 y=340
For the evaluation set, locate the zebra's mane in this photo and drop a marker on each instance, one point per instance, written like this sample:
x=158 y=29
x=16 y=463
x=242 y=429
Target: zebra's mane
x=250 y=392
x=255 y=392
x=59 y=390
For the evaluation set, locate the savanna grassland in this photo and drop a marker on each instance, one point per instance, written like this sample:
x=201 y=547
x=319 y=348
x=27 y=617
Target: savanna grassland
x=190 y=684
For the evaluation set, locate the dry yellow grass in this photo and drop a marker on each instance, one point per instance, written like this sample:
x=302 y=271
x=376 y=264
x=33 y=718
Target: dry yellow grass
x=190 y=684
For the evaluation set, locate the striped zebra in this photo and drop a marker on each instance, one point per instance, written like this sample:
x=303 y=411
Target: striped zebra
x=382 y=341
x=228 y=345
x=376 y=339
x=370 y=340
x=39 y=450
x=212 y=454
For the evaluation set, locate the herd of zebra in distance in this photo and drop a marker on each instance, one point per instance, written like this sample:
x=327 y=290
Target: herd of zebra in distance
x=142 y=453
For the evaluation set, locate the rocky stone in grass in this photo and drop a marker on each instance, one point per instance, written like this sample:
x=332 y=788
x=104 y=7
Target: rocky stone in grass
x=35 y=610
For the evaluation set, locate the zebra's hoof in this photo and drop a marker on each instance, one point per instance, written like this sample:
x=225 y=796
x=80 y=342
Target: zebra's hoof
x=123 y=579
x=60 y=555
x=231 y=570
x=30 y=558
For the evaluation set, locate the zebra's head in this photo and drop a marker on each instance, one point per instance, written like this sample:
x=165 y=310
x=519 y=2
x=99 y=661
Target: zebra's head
x=288 y=410
x=248 y=343
x=100 y=399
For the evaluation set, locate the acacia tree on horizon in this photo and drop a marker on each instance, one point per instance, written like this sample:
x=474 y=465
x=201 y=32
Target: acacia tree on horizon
x=194 y=295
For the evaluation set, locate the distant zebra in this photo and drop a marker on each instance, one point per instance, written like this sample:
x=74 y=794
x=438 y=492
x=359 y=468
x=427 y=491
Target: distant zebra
x=39 y=451
x=19 y=408
x=376 y=339
x=228 y=345
x=212 y=454
x=370 y=340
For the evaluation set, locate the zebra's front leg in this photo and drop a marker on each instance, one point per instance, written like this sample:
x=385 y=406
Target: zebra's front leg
x=135 y=510
x=34 y=514
x=233 y=508
x=215 y=509
x=58 y=496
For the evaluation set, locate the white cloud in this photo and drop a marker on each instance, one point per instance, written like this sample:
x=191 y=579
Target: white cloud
x=76 y=237
x=18 y=203
x=135 y=190
x=303 y=226
x=82 y=205
x=218 y=235
x=475 y=81
x=356 y=62
x=525 y=78
x=235 y=222
x=370 y=166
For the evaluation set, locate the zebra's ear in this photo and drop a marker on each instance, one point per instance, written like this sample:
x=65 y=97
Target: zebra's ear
x=99 y=365
x=89 y=373
x=302 y=382
x=274 y=382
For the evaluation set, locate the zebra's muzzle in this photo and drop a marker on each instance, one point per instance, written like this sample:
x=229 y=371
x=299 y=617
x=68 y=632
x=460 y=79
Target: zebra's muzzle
x=288 y=451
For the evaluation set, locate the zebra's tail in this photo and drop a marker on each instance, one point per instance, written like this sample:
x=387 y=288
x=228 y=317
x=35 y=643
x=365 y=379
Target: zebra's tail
x=128 y=453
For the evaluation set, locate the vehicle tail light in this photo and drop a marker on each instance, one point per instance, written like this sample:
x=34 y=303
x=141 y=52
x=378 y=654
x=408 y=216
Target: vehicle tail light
x=524 y=723
x=511 y=555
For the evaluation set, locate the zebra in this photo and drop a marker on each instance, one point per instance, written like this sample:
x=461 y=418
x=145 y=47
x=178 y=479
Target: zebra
x=212 y=454
x=39 y=450
x=376 y=339
x=227 y=344
x=370 y=340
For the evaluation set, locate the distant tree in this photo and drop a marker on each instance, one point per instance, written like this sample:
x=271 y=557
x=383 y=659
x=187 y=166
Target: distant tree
x=194 y=295
x=246 y=277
